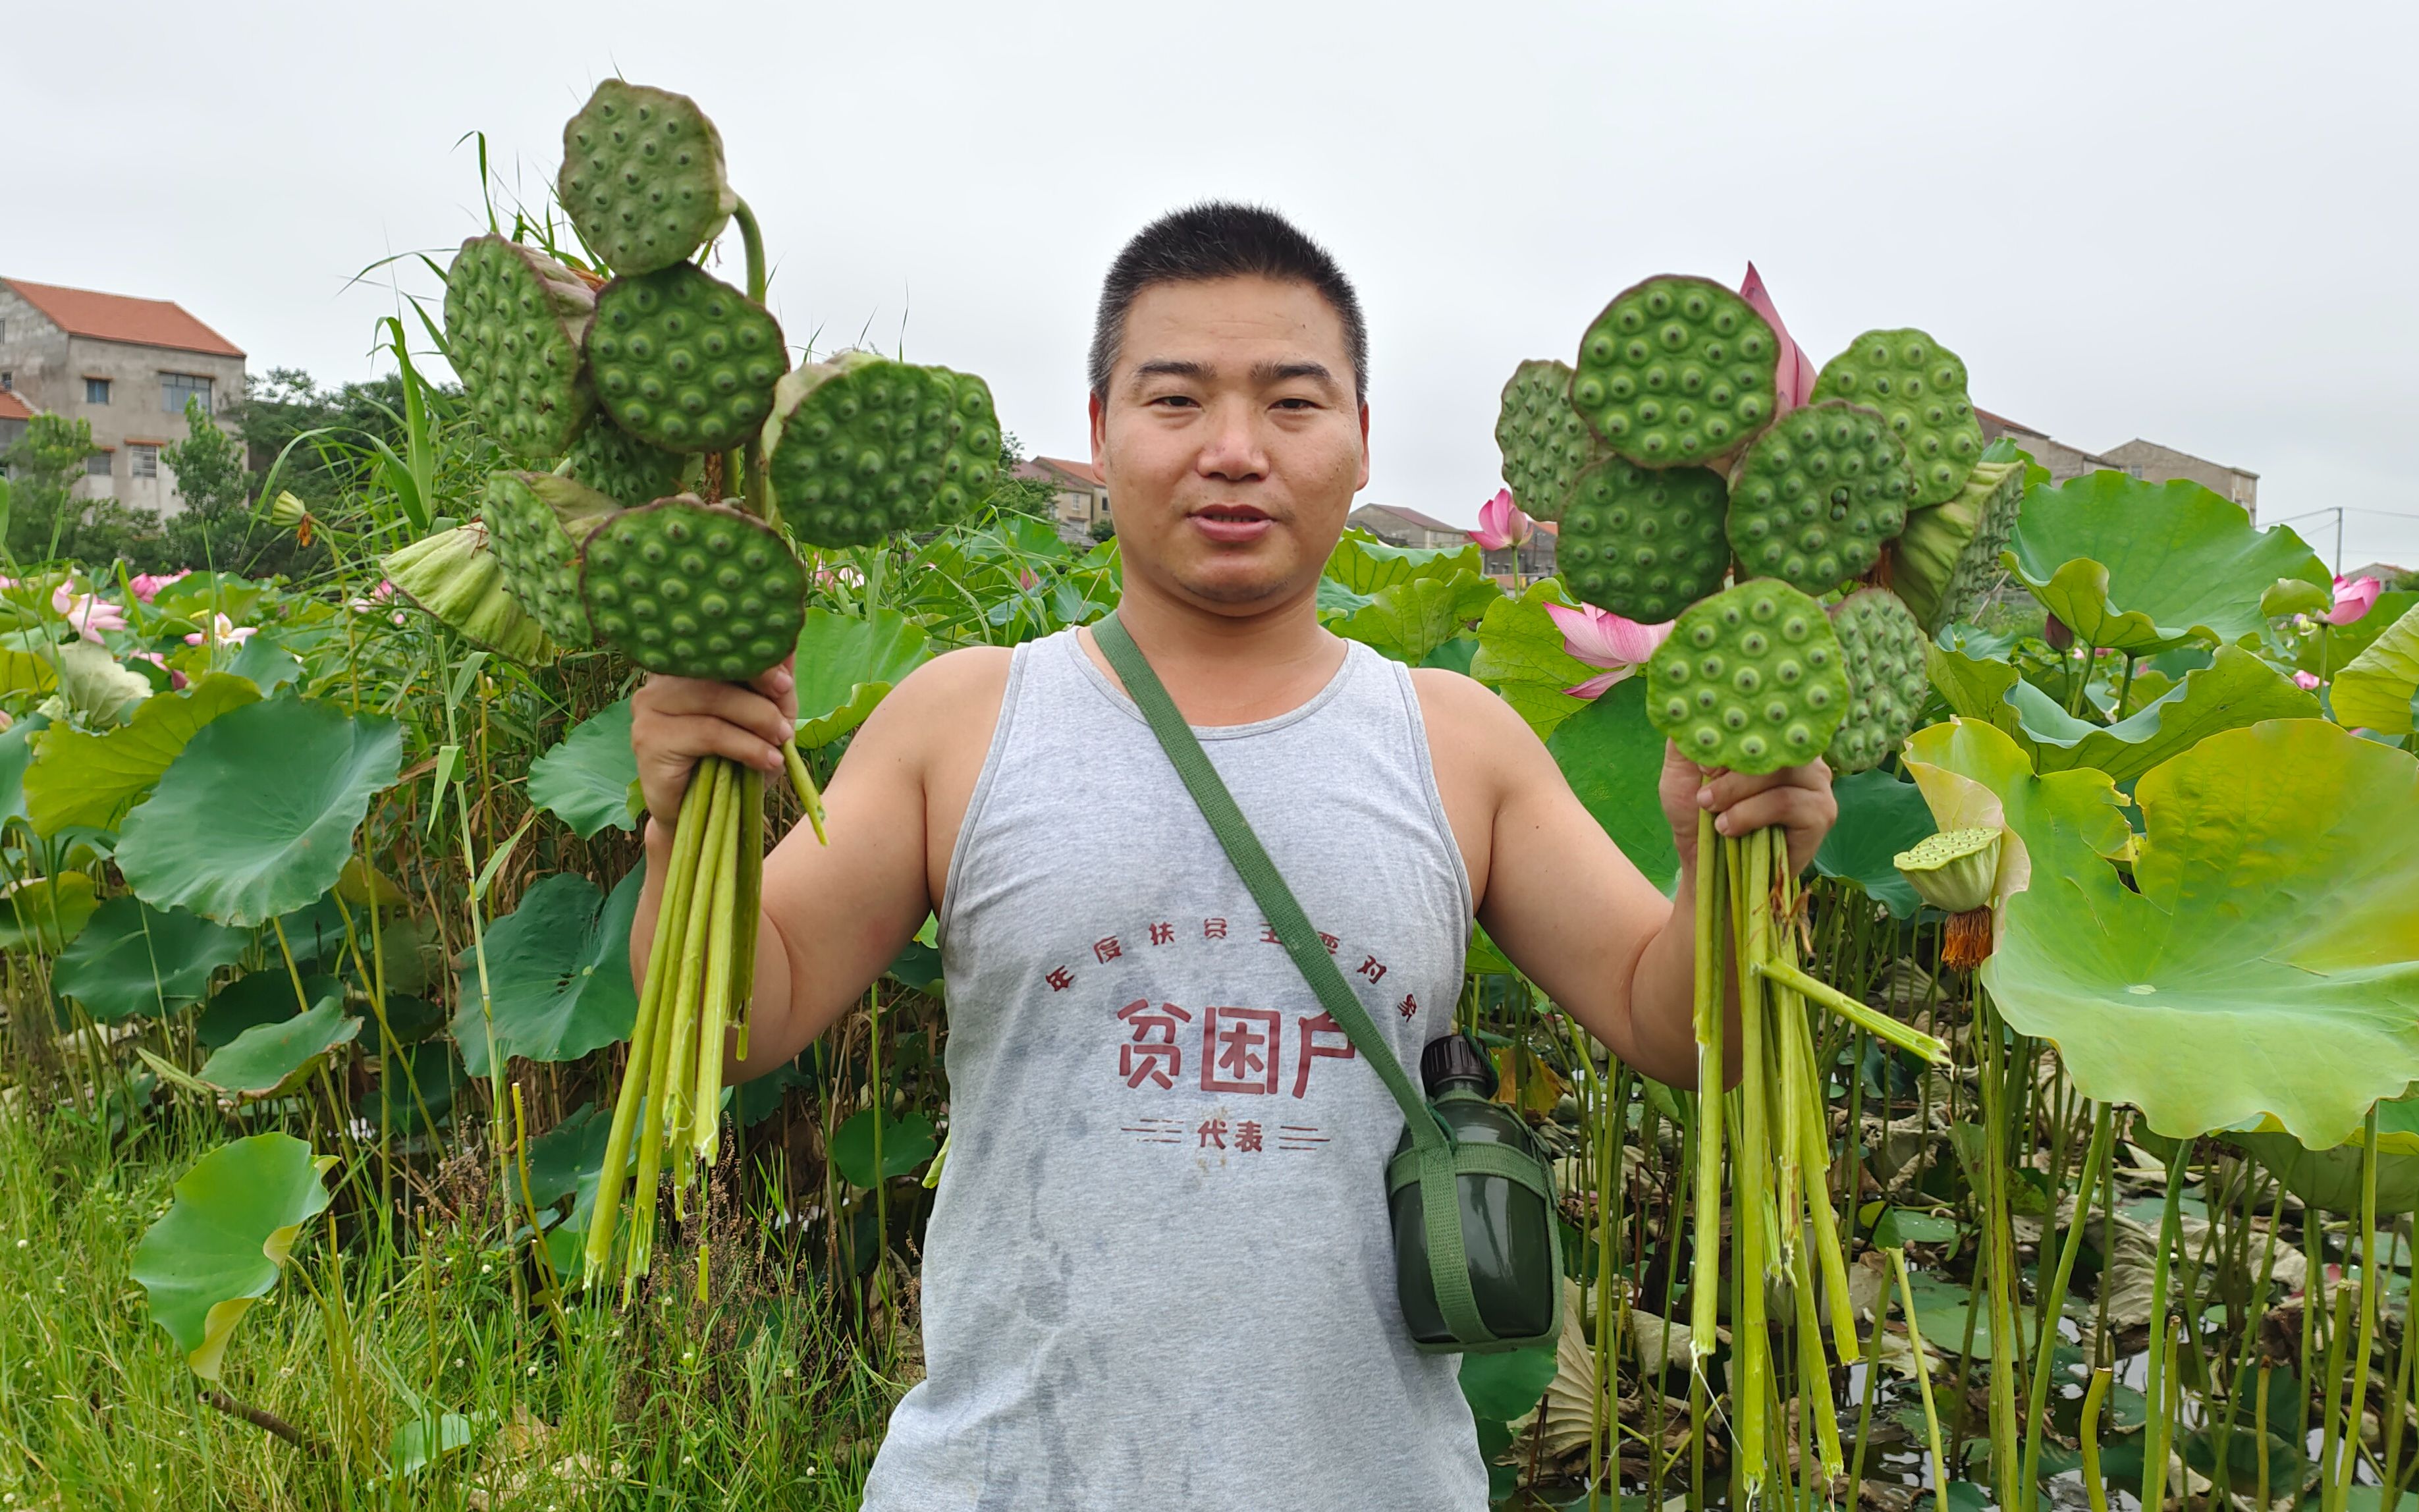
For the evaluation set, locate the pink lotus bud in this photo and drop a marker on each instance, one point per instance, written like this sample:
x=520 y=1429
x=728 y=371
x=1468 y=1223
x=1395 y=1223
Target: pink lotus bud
x=2306 y=682
x=2352 y=598
x=1795 y=383
x=1602 y=638
x=1501 y=524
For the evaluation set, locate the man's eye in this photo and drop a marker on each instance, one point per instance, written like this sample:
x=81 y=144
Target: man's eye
x=1173 y=399
x=1297 y=404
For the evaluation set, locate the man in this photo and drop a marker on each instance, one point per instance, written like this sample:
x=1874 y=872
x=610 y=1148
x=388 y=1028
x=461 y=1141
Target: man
x=1159 y=1272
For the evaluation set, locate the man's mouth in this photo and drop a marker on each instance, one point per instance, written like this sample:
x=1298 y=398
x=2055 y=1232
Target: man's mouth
x=1232 y=524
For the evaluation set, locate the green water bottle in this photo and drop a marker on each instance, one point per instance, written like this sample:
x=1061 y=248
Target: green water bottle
x=1509 y=1241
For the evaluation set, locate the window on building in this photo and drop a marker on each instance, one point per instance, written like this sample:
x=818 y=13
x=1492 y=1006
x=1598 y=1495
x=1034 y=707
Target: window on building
x=96 y=390
x=97 y=465
x=142 y=459
x=2134 y=471
x=8 y=382
x=176 y=388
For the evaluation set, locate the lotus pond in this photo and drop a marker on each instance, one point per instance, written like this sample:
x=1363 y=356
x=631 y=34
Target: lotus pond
x=343 y=1162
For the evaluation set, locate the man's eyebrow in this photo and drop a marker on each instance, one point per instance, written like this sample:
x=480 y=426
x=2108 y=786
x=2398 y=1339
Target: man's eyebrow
x=1268 y=373
x=1173 y=367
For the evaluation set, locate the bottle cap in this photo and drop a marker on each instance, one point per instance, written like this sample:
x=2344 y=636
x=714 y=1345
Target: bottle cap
x=1456 y=1057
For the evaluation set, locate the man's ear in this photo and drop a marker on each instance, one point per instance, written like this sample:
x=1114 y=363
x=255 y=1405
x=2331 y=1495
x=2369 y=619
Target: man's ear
x=1365 y=448
x=1100 y=413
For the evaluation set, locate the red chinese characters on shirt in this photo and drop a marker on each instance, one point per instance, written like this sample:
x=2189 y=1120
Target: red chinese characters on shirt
x=1313 y=1029
x=1239 y=1049
x=1152 y=1053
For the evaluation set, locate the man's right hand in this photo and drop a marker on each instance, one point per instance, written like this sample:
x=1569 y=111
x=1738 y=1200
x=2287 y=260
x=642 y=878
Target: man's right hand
x=675 y=721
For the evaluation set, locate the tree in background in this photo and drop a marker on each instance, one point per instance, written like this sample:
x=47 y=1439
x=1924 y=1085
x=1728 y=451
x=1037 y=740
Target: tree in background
x=45 y=519
x=1020 y=496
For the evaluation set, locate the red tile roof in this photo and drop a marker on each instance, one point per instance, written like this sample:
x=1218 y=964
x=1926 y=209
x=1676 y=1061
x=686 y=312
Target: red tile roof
x=1083 y=472
x=13 y=407
x=118 y=317
x=1413 y=516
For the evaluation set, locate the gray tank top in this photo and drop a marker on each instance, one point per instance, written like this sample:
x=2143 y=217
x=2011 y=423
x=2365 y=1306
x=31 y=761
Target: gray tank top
x=1159 y=1272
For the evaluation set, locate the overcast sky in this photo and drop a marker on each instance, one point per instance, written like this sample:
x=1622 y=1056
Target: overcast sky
x=2182 y=222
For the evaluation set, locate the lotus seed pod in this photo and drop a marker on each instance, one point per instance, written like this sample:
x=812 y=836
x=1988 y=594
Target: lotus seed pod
x=683 y=361
x=535 y=522
x=1954 y=871
x=1948 y=556
x=1817 y=496
x=455 y=579
x=1544 y=441
x=1920 y=387
x=1644 y=542
x=1676 y=371
x=514 y=322
x=1881 y=649
x=623 y=468
x=693 y=588
x=643 y=176
x=1749 y=679
x=862 y=446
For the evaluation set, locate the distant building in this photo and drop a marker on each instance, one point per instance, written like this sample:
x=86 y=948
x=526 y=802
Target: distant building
x=14 y=412
x=1079 y=495
x=2062 y=460
x=1532 y=558
x=2154 y=463
x=128 y=367
x=1398 y=526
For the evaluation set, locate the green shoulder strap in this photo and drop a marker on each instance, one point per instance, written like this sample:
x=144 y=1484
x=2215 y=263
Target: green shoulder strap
x=1439 y=1198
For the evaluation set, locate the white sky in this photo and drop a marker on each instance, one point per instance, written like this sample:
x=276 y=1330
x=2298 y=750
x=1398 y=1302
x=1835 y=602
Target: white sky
x=2182 y=222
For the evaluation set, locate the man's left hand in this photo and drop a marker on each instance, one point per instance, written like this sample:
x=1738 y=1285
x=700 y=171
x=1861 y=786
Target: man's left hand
x=1797 y=798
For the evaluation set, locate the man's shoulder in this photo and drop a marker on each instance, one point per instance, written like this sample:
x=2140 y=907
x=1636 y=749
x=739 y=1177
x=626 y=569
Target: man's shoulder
x=1460 y=707
x=941 y=699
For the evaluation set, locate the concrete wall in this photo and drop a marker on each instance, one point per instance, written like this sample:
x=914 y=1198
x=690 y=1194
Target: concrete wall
x=2154 y=463
x=49 y=369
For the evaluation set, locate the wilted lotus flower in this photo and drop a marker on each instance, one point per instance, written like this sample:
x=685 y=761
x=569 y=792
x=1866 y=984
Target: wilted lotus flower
x=86 y=613
x=2352 y=598
x=222 y=632
x=175 y=678
x=1795 y=382
x=1501 y=524
x=147 y=585
x=1602 y=638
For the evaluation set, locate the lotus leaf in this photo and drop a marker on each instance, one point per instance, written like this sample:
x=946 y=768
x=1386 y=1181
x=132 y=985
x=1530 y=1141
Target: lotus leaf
x=421 y=1442
x=2380 y=691
x=2140 y=566
x=1411 y=619
x=1364 y=564
x=1336 y=601
x=16 y=758
x=1612 y=757
x=906 y=1143
x=409 y=1079
x=585 y=780
x=255 y=998
x=82 y=778
x=134 y=959
x=46 y=914
x=2268 y=964
x=1522 y=657
x=2330 y=1180
x=2328 y=651
x=269 y=1059
x=1506 y=1385
x=224 y=1239
x=1880 y=815
x=93 y=687
x=558 y=974
x=256 y=816
x=564 y=1160
x=847 y=663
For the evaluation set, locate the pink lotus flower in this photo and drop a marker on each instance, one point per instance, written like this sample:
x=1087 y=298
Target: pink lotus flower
x=2306 y=682
x=175 y=678
x=147 y=585
x=222 y=632
x=1601 y=638
x=86 y=613
x=1501 y=524
x=1795 y=383
x=2352 y=598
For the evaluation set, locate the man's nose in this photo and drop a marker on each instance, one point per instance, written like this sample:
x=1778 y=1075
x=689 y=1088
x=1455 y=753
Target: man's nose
x=1233 y=449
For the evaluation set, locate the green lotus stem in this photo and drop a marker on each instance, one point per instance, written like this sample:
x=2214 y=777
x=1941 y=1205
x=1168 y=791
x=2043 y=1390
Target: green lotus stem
x=2369 y=1287
x=1826 y=1234
x=1999 y=1235
x=688 y=1004
x=2392 y=1468
x=2094 y=1398
x=1752 y=909
x=1922 y=1380
x=671 y=913
x=1813 y=1371
x=664 y=1121
x=750 y=907
x=713 y=1009
x=2035 y=1424
x=1913 y=1041
x=1872 y=1358
x=2154 y=1387
x=2259 y=1446
x=1705 y=1294
x=2330 y=1425
x=803 y=783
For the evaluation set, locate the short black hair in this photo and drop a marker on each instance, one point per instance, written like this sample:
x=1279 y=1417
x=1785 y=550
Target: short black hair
x=1221 y=238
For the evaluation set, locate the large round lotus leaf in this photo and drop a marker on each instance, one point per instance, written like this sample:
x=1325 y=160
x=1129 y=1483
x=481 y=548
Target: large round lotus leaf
x=259 y=997
x=683 y=361
x=1542 y=440
x=624 y=469
x=642 y=178
x=1815 y=498
x=134 y=959
x=271 y=1060
x=2380 y=691
x=558 y=974
x=1410 y=620
x=847 y=663
x=1882 y=649
x=862 y=446
x=585 y=781
x=1644 y=542
x=256 y=816
x=1749 y=680
x=535 y=522
x=412 y=1080
x=1676 y=371
x=514 y=321
x=1920 y=386
x=1948 y=556
x=46 y=914
x=82 y=778
x=2143 y=566
x=223 y=1240
x=1880 y=815
x=1366 y=565
x=1523 y=656
x=906 y=1143
x=2269 y=962
x=2330 y=1180
x=694 y=590
x=1612 y=757
x=454 y=577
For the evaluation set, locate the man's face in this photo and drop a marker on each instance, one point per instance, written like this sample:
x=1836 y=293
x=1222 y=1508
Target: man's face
x=1230 y=440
